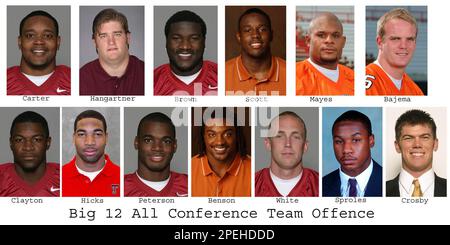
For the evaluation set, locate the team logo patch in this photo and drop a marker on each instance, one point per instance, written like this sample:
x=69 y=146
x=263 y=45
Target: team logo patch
x=369 y=81
x=114 y=189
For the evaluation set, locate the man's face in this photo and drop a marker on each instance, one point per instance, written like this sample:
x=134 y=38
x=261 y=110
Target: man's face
x=111 y=42
x=287 y=142
x=156 y=145
x=38 y=43
x=416 y=144
x=90 y=140
x=29 y=145
x=185 y=45
x=352 y=143
x=398 y=44
x=254 y=36
x=326 y=42
x=220 y=141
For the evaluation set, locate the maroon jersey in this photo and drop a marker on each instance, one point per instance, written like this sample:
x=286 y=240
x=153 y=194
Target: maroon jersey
x=177 y=187
x=11 y=185
x=57 y=84
x=166 y=83
x=307 y=186
x=95 y=81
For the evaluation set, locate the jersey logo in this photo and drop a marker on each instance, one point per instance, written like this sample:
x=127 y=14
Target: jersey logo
x=60 y=90
x=114 y=189
x=181 y=195
x=211 y=87
x=369 y=81
x=53 y=189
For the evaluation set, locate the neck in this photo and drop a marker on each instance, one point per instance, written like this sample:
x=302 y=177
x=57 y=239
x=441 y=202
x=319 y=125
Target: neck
x=286 y=173
x=326 y=65
x=31 y=177
x=395 y=72
x=115 y=69
x=220 y=167
x=150 y=175
x=186 y=73
x=90 y=167
x=36 y=71
x=414 y=173
x=258 y=67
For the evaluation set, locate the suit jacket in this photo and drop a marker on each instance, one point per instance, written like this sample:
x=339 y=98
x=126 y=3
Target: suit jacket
x=332 y=183
x=440 y=187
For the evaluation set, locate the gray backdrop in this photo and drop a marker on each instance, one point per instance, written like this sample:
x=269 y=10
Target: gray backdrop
x=329 y=115
x=310 y=116
x=132 y=117
x=112 y=117
x=135 y=17
x=16 y=13
x=163 y=13
x=51 y=114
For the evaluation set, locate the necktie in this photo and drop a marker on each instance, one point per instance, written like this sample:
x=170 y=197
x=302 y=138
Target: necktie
x=352 y=192
x=417 y=191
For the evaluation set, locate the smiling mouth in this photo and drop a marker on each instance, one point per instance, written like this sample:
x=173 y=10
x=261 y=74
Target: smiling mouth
x=417 y=154
x=220 y=149
x=156 y=158
x=256 y=45
x=38 y=51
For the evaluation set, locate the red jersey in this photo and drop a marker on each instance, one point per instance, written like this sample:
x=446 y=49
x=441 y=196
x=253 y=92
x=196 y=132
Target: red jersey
x=307 y=186
x=11 y=185
x=105 y=184
x=57 y=84
x=95 y=81
x=176 y=187
x=379 y=83
x=166 y=83
x=311 y=81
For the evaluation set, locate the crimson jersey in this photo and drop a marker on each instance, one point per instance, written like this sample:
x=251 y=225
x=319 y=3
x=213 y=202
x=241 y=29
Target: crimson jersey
x=307 y=186
x=176 y=187
x=57 y=84
x=11 y=185
x=166 y=83
x=379 y=83
x=105 y=184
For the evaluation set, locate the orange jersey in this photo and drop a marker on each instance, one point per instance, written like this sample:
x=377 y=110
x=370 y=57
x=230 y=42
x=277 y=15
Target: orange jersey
x=235 y=182
x=379 y=83
x=311 y=81
x=240 y=82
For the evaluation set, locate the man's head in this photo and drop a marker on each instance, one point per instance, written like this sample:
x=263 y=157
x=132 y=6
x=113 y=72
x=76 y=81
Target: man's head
x=415 y=139
x=396 y=38
x=325 y=40
x=39 y=41
x=255 y=34
x=185 y=42
x=221 y=138
x=156 y=143
x=111 y=36
x=90 y=136
x=29 y=140
x=287 y=144
x=352 y=140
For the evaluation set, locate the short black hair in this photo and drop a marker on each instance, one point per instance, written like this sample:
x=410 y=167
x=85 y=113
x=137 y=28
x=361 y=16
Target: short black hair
x=255 y=11
x=39 y=13
x=356 y=116
x=240 y=144
x=157 y=117
x=89 y=114
x=185 y=15
x=414 y=117
x=30 y=116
